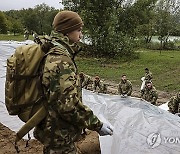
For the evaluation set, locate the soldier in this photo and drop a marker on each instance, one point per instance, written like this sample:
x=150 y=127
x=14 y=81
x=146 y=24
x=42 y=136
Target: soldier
x=174 y=104
x=99 y=86
x=149 y=93
x=148 y=75
x=85 y=80
x=26 y=34
x=36 y=37
x=125 y=87
x=67 y=115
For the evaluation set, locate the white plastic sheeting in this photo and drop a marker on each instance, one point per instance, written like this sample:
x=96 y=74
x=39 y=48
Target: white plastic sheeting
x=139 y=127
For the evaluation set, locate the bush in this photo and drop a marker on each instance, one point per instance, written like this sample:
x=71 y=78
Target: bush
x=170 y=45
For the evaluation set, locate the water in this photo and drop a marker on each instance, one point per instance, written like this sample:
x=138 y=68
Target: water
x=171 y=38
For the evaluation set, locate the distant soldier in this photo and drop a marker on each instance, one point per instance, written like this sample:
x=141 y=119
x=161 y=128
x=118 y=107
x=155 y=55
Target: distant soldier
x=149 y=93
x=99 y=86
x=85 y=80
x=36 y=37
x=26 y=34
x=147 y=77
x=125 y=86
x=174 y=104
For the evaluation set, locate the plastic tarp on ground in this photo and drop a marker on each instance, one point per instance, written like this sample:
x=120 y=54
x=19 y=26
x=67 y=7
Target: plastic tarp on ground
x=139 y=127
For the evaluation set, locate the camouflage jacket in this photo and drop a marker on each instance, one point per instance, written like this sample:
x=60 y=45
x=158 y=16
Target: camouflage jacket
x=125 y=88
x=174 y=105
x=149 y=95
x=148 y=76
x=99 y=86
x=67 y=115
x=85 y=81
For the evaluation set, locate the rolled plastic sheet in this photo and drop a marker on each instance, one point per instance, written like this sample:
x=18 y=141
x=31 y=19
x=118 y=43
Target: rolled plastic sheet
x=139 y=127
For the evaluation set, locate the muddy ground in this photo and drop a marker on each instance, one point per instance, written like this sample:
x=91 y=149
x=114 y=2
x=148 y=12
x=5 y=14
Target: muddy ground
x=87 y=145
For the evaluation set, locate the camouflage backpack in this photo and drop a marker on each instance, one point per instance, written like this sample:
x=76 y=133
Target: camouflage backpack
x=23 y=89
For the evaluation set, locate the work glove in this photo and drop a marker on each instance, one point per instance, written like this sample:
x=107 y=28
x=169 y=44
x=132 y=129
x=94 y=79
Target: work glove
x=105 y=130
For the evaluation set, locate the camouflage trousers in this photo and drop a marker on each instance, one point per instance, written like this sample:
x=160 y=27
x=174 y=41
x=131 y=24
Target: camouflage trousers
x=69 y=149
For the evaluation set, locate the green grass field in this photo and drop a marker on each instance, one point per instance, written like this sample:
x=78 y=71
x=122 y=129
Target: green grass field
x=165 y=68
x=15 y=38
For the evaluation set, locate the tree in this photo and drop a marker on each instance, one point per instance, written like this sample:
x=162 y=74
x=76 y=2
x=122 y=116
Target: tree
x=38 y=19
x=165 y=24
x=3 y=23
x=45 y=16
x=101 y=20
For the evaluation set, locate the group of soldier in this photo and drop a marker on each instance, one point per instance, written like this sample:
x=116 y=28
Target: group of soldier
x=96 y=84
x=148 y=91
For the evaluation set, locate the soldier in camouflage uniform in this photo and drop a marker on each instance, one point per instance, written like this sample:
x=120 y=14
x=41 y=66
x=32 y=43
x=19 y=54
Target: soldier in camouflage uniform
x=99 y=86
x=85 y=80
x=67 y=115
x=26 y=34
x=124 y=87
x=174 y=104
x=149 y=93
x=148 y=75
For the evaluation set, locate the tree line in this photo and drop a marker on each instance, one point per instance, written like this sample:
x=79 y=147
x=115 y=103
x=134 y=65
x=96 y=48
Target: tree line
x=38 y=19
x=112 y=27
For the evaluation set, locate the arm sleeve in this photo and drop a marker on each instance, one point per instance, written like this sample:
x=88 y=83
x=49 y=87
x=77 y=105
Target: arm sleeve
x=94 y=86
x=142 y=93
x=119 y=89
x=62 y=84
x=173 y=105
x=130 y=89
x=170 y=105
x=155 y=97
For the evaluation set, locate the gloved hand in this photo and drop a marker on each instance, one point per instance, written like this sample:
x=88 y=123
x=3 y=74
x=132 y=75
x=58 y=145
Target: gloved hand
x=105 y=130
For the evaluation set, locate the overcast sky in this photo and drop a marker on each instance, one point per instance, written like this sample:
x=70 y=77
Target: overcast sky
x=6 y=5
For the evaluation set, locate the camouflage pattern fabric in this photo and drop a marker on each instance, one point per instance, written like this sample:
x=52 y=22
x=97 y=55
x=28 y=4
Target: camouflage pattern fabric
x=125 y=88
x=26 y=34
x=85 y=80
x=104 y=88
x=148 y=76
x=69 y=149
x=174 y=104
x=67 y=115
x=99 y=86
x=149 y=95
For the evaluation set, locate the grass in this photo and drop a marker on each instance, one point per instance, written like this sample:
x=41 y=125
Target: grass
x=165 y=68
x=14 y=37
